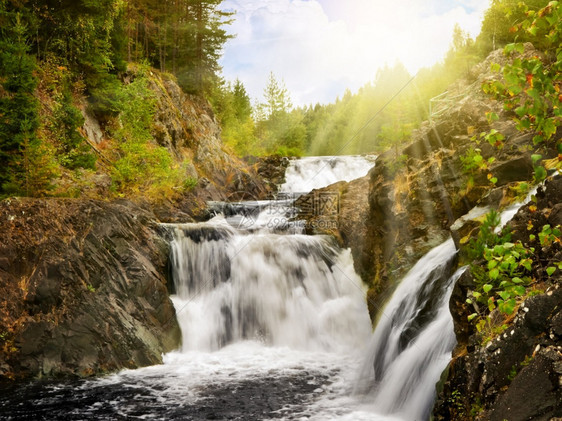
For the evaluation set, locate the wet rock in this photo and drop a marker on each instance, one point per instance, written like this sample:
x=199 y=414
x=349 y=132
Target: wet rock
x=533 y=394
x=344 y=217
x=85 y=288
x=271 y=169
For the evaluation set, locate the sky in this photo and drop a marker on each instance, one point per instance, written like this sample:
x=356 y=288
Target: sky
x=321 y=47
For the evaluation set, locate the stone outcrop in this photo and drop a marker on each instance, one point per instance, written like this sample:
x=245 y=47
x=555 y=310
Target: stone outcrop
x=187 y=127
x=271 y=169
x=83 y=288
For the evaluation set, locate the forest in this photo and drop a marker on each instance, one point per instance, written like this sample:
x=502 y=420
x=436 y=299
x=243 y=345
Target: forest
x=56 y=52
x=160 y=225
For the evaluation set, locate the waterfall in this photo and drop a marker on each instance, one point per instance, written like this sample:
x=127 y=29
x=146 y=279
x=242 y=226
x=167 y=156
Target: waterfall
x=413 y=339
x=250 y=274
x=275 y=325
x=314 y=172
x=281 y=290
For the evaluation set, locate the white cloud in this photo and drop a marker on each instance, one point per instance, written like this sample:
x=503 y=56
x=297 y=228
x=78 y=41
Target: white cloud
x=320 y=47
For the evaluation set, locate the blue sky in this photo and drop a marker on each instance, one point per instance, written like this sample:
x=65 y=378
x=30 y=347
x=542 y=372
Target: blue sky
x=321 y=47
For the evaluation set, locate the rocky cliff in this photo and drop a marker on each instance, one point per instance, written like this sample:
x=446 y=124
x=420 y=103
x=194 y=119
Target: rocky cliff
x=83 y=288
x=517 y=373
x=187 y=127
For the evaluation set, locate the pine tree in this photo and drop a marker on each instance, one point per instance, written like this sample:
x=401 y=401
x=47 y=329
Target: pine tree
x=241 y=101
x=206 y=37
x=277 y=100
x=19 y=110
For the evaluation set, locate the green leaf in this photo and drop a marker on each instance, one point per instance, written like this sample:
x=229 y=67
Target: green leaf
x=492 y=116
x=534 y=93
x=519 y=290
x=492 y=264
x=472 y=316
x=476 y=295
x=517 y=280
x=495 y=67
x=505 y=295
x=487 y=287
x=550 y=270
x=521 y=111
x=515 y=89
x=499 y=250
x=508 y=49
x=526 y=263
x=535 y=158
x=468 y=301
x=508 y=306
x=540 y=174
x=549 y=128
x=538 y=139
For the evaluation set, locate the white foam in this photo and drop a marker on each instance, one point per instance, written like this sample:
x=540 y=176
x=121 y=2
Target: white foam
x=314 y=172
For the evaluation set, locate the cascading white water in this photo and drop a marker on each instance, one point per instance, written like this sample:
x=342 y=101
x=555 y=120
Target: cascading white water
x=414 y=336
x=413 y=340
x=314 y=172
x=241 y=276
x=283 y=290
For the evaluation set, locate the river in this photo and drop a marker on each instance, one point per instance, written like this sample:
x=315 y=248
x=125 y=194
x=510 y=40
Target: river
x=275 y=326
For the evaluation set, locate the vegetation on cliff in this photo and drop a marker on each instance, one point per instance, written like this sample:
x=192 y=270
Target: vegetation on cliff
x=75 y=109
x=62 y=61
x=530 y=91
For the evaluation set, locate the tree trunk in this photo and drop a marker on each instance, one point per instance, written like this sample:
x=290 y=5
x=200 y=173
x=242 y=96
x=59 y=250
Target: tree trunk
x=199 y=46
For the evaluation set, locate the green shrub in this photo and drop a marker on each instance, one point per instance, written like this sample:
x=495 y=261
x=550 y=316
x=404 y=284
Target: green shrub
x=142 y=166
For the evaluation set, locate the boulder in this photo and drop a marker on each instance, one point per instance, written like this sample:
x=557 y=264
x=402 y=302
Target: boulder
x=84 y=288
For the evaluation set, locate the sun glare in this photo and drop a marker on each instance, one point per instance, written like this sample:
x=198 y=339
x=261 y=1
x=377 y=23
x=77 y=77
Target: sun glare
x=321 y=47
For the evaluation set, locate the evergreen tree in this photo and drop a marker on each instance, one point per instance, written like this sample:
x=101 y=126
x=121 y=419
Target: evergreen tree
x=277 y=100
x=19 y=115
x=241 y=101
x=74 y=152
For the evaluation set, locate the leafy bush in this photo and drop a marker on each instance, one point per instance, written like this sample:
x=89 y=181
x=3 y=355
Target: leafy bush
x=503 y=271
x=142 y=166
x=531 y=86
